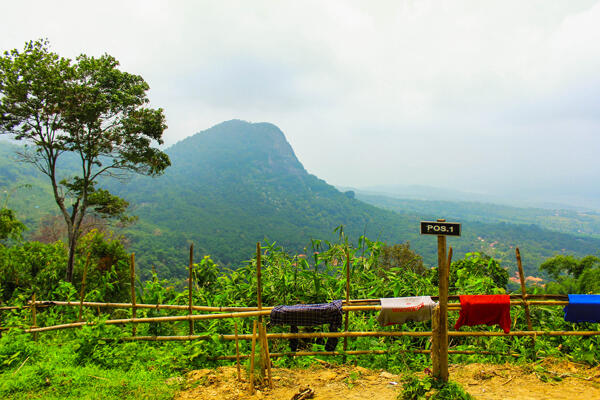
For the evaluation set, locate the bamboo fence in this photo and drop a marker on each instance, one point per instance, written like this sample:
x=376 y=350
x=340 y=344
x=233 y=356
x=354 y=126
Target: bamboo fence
x=439 y=334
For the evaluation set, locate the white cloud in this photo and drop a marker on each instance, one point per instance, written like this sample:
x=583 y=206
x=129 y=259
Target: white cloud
x=362 y=90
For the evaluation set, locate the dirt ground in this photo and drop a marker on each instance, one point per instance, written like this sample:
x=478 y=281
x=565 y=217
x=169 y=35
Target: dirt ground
x=540 y=381
x=556 y=380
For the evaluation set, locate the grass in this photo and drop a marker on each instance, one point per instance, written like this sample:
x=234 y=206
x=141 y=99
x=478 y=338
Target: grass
x=42 y=381
x=50 y=370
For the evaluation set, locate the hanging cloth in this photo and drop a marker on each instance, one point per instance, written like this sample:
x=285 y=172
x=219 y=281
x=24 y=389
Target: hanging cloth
x=484 y=309
x=583 y=308
x=310 y=315
x=398 y=310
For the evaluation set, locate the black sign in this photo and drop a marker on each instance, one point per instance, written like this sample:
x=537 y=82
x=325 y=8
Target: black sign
x=440 y=228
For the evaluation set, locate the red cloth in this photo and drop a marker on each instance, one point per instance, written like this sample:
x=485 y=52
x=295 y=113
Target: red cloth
x=488 y=309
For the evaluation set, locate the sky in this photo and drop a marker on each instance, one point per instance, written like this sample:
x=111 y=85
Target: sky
x=493 y=97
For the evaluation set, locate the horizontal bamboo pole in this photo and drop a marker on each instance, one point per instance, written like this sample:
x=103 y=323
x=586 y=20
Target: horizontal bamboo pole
x=154 y=319
x=361 y=352
x=521 y=303
x=151 y=306
x=353 y=308
x=361 y=334
x=182 y=307
x=527 y=333
x=280 y=336
x=170 y=338
x=457 y=296
x=28 y=306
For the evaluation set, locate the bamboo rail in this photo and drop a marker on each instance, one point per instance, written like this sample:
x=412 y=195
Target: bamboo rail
x=7 y=308
x=361 y=352
x=49 y=303
x=300 y=335
x=155 y=319
x=457 y=296
x=361 y=334
x=247 y=309
x=243 y=314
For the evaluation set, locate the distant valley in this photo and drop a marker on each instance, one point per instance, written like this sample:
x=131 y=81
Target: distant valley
x=238 y=183
x=558 y=219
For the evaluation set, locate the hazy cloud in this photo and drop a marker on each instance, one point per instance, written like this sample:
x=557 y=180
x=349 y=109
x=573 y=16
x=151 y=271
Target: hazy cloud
x=481 y=96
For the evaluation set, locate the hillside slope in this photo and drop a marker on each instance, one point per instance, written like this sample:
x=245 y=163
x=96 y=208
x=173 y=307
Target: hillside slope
x=238 y=183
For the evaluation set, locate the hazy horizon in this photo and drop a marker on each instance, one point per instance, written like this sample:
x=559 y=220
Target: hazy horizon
x=499 y=98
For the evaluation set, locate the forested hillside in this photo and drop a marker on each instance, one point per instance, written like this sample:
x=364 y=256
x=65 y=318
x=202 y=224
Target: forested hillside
x=238 y=183
x=558 y=219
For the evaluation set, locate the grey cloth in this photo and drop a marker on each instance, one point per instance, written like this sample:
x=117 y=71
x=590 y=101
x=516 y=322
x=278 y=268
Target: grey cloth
x=398 y=310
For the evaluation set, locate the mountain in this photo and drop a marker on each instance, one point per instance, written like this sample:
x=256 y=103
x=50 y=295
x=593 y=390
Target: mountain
x=238 y=183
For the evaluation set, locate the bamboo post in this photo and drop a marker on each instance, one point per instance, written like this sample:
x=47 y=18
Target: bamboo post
x=265 y=345
x=258 y=279
x=263 y=354
x=237 y=351
x=33 y=316
x=191 y=306
x=347 y=296
x=524 y=297
x=259 y=299
x=443 y=300
x=132 y=282
x=435 y=341
x=251 y=387
x=82 y=293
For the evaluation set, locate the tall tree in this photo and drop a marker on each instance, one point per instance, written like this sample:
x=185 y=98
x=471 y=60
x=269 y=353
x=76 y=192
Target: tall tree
x=86 y=107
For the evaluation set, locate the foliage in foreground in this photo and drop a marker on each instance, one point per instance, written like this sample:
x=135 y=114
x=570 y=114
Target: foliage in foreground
x=429 y=388
x=51 y=369
x=94 y=362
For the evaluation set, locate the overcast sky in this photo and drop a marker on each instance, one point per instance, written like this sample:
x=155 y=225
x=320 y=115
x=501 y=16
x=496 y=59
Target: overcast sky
x=483 y=96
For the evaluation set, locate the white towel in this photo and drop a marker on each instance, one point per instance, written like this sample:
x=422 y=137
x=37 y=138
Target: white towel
x=398 y=310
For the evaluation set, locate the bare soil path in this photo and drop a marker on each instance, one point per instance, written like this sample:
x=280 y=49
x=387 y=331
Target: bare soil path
x=540 y=381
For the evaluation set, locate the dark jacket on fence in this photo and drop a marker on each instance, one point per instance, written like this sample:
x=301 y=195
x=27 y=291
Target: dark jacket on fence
x=309 y=315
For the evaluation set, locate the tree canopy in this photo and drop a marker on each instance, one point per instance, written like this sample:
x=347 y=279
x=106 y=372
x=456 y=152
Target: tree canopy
x=88 y=108
x=10 y=226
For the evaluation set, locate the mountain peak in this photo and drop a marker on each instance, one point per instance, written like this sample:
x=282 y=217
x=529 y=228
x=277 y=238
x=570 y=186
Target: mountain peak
x=241 y=146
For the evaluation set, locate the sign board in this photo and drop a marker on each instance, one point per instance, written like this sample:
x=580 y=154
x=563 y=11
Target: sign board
x=440 y=228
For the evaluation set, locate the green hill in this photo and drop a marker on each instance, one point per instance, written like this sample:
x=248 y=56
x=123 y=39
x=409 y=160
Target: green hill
x=238 y=183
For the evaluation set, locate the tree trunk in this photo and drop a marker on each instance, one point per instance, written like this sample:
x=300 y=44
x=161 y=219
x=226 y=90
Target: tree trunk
x=71 y=260
x=74 y=232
